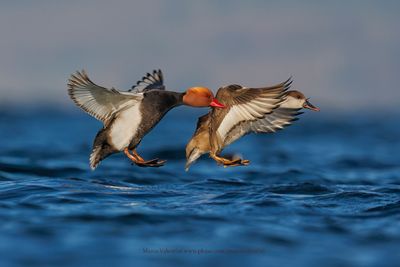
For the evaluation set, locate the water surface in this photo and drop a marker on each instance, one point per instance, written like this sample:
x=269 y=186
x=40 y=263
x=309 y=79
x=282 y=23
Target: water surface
x=325 y=192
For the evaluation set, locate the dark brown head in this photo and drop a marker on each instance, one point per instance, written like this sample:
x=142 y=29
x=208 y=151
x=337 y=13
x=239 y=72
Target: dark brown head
x=201 y=97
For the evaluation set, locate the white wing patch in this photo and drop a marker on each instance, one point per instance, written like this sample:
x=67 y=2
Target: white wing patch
x=252 y=110
x=100 y=102
x=125 y=126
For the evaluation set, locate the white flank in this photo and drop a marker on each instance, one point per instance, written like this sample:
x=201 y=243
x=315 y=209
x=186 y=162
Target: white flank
x=125 y=126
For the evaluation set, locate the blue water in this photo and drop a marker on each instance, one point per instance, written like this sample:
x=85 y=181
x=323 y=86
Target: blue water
x=324 y=192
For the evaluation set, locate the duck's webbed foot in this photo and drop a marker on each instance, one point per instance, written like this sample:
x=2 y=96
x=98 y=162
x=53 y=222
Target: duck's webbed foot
x=139 y=161
x=230 y=162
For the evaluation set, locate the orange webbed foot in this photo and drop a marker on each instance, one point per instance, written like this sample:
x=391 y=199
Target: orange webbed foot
x=139 y=161
x=230 y=162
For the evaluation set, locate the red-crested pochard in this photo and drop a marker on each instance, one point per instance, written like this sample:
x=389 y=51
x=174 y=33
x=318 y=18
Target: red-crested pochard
x=129 y=115
x=262 y=110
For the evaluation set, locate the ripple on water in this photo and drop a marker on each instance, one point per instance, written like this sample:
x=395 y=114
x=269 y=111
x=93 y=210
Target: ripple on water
x=38 y=170
x=300 y=189
x=387 y=209
x=301 y=196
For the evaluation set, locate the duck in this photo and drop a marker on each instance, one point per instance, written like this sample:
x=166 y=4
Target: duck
x=127 y=116
x=249 y=110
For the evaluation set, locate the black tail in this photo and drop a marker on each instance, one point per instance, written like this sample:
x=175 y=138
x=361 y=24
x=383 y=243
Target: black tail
x=101 y=149
x=95 y=157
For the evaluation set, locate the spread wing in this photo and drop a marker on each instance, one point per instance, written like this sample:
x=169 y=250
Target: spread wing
x=150 y=82
x=247 y=105
x=100 y=102
x=277 y=120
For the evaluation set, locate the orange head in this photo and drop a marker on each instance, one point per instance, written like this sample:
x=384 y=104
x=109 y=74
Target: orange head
x=201 y=97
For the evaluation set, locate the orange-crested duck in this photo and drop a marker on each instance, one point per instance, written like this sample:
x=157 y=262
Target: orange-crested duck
x=129 y=115
x=262 y=110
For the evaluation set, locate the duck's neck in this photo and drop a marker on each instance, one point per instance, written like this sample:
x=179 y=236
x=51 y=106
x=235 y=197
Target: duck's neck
x=163 y=100
x=173 y=99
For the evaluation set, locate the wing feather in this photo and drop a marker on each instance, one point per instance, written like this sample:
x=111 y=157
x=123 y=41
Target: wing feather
x=154 y=81
x=248 y=105
x=100 y=102
x=277 y=120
